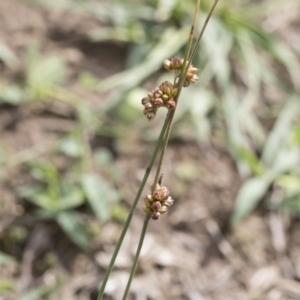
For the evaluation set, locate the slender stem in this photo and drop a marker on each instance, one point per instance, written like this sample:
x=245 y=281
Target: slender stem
x=180 y=85
x=163 y=138
x=137 y=255
x=128 y=220
x=163 y=150
x=189 y=45
x=202 y=31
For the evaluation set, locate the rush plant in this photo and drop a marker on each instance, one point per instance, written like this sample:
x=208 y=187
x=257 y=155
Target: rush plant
x=165 y=95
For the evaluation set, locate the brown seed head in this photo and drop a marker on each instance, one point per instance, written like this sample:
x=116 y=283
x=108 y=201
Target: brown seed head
x=168 y=64
x=177 y=62
x=155 y=215
x=166 y=87
x=159 y=102
x=171 y=104
x=150 y=116
x=145 y=100
x=156 y=205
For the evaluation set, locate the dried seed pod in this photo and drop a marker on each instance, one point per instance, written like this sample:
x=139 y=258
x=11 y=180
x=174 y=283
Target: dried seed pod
x=171 y=104
x=150 y=116
x=166 y=87
x=145 y=100
x=163 y=210
x=177 y=62
x=168 y=65
x=159 y=202
x=148 y=106
x=156 y=205
x=175 y=92
x=169 y=202
x=159 y=102
x=155 y=215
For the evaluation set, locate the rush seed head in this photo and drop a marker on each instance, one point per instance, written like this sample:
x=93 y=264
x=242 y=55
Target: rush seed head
x=166 y=92
x=159 y=202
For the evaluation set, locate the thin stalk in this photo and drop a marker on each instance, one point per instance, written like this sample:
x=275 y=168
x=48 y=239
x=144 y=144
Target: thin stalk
x=189 y=43
x=138 y=195
x=202 y=31
x=137 y=255
x=163 y=139
x=181 y=80
x=163 y=150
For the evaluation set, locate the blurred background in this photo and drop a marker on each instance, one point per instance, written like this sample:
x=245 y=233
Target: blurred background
x=74 y=145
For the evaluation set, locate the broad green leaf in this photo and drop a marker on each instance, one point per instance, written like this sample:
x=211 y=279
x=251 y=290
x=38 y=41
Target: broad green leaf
x=72 y=225
x=289 y=182
x=43 y=200
x=278 y=137
x=285 y=161
x=250 y=193
x=100 y=195
x=251 y=159
x=74 y=198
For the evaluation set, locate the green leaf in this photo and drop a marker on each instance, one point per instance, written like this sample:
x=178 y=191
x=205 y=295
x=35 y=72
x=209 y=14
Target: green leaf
x=249 y=195
x=100 y=195
x=251 y=159
x=72 y=225
x=278 y=137
x=74 y=198
x=289 y=182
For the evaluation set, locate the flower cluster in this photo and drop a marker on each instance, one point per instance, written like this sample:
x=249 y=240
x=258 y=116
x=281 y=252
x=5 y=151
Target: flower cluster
x=165 y=94
x=158 y=203
x=176 y=64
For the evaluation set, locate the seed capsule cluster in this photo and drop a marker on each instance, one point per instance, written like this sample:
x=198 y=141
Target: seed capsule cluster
x=165 y=94
x=162 y=96
x=158 y=203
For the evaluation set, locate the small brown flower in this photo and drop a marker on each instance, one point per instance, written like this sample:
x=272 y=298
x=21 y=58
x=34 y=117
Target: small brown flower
x=159 y=202
x=171 y=104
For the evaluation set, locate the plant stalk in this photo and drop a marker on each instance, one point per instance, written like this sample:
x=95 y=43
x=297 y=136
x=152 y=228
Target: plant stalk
x=180 y=84
x=130 y=215
x=137 y=255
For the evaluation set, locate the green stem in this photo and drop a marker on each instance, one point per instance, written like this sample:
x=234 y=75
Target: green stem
x=163 y=150
x=137 y=255
x=188 y=48
x=202 y=31
x=180 y=84
x=138 y=195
